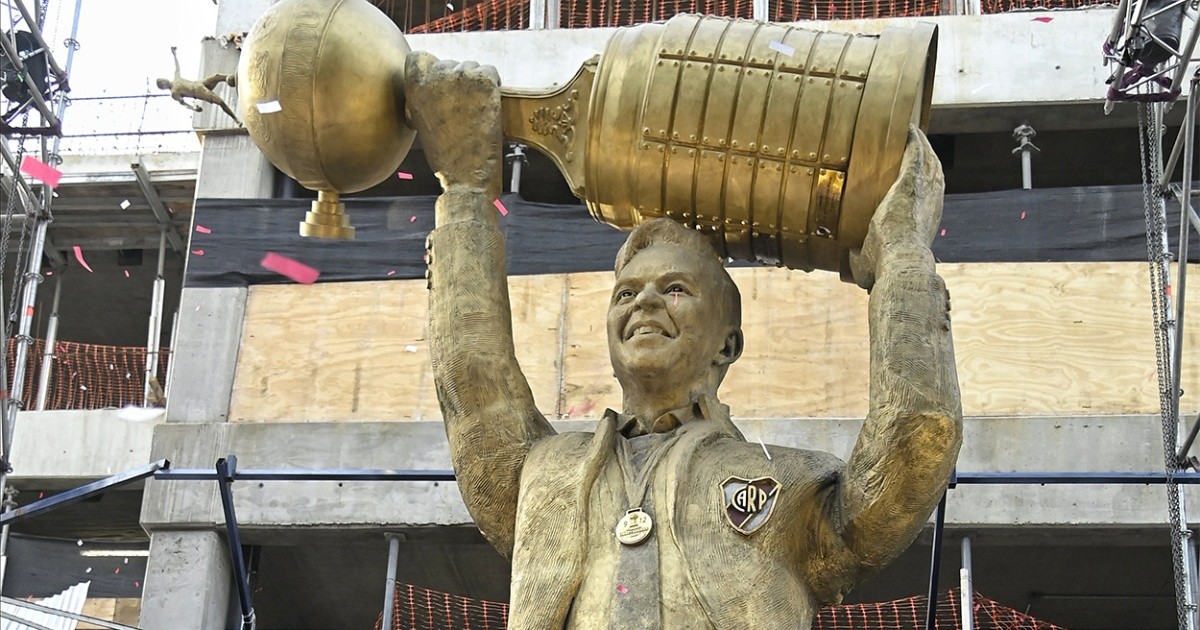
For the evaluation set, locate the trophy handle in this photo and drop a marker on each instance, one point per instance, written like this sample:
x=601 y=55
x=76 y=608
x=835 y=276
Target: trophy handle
x=554 y=122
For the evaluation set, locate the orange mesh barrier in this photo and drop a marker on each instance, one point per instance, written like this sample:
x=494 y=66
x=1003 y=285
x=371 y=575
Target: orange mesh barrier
x=417 y=608
x=1001 y=6
x=87 y=376
x=498 y=15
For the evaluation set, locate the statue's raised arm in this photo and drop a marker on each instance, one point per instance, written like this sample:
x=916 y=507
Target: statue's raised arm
x=490 y=417
x=909 y=443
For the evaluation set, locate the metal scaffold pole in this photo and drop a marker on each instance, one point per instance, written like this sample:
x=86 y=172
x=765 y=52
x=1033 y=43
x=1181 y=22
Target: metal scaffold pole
x=39 y=209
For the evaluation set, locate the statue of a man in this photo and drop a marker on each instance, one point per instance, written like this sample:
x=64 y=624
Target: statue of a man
x=666 y=517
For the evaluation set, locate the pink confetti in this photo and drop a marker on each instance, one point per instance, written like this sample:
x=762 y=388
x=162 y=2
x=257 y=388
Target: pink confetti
x=500 y=207
x=137 y=584
x=412 y=219
x=49 y=273
x=1043 y=20
x=203 y=230
x=79 y=257
x=391 y=272
x=126 y=273
x=39 y=170
x=198 y=252
x=290 y=268
x=1022 y=215
x=117 y=570
x=943 y=231
x=622 y=589
x=403 y=175
x=587 y=406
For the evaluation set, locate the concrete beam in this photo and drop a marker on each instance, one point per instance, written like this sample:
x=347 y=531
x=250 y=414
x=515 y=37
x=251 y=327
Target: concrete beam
x=1096 y=443
x=983 y=60
x=64 y=449
x=187 y=585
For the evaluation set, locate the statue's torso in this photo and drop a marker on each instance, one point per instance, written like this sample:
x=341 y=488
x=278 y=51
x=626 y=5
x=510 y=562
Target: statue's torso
x=696 y=570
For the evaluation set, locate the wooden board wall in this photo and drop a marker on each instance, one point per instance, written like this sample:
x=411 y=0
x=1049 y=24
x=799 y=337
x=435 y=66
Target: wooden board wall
x=1030 y=339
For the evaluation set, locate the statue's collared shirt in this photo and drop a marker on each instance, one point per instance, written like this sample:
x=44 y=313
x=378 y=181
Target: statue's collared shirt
x=641 y=586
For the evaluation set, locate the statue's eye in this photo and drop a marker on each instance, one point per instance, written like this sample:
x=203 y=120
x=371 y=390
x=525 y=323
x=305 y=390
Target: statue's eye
x=676 y=288
x=625 y=294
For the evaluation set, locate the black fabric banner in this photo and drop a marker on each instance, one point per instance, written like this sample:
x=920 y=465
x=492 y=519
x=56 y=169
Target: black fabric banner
x=231 y=236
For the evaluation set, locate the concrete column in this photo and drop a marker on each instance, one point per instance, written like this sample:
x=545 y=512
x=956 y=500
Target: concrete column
x=187 y=582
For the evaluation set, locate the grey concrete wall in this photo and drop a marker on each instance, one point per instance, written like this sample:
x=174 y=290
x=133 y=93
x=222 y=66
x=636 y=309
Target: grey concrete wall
x=1097 y=443
x=59 y=449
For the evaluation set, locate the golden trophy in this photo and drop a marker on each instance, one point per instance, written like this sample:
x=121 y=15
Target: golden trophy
x=778 y=139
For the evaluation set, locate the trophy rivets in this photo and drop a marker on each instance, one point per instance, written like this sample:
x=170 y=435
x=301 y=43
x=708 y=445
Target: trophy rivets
x=721 y=157
x=771 y=226
x=660 y=62
x=675 y=135
x=733 y=159
x=733 y=144
x=858 y=86
x=720 y=68
x=691 y=152
x=797 y=78
x=752 y=145
x=645 y=131
x=706 y=139
x=662 y=132
x=810 y=79
x=670 y=213
x=810 y=171
x=795 y=153
x=781 y=151
x=692 y=137
x=825 y=158
x=721 y=142
x=674 y=150
x=841 y=84
x=660 y=148
x=743 y=222
x=812 y=156
x=675 y=64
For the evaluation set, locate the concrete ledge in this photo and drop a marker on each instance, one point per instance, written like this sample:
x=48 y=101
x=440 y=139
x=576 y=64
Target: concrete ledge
x=1095 y=443
x=61 y=449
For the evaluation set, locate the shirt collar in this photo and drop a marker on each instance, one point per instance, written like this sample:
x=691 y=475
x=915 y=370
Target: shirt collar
x=704 y=408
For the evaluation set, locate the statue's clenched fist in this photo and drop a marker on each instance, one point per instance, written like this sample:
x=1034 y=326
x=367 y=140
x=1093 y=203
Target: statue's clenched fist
x=455 y=109
x=909 y=214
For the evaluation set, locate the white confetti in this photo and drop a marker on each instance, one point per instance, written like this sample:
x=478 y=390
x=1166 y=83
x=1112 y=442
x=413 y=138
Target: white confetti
x=83 y=387
x=410 y=348
x=134 y=413
x=269 y=107
x=88 y=570
x=125 y=204
x=764 y=445
x=79 y=543
x=782 y=48
x=126 y=560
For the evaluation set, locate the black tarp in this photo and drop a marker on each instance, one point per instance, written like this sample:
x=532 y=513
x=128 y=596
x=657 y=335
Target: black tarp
x=1047 y=225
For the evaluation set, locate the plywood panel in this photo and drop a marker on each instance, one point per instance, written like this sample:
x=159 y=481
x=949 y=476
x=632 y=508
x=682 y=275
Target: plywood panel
x=358 y=350
x=1031 y=339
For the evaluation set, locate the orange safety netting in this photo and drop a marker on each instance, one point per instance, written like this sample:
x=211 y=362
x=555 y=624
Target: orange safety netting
x=1003 y=6
x=417 y=608
x=496 y=15
x=86 y=376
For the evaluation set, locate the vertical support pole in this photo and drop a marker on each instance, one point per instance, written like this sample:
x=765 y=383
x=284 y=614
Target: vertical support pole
x=761 y=10
x=966 y=591
x=518 y=159
x=1024 y=134
x=154 y=334
x=48 y=356
x=389 y=591
x=226 y=468
x=537 y=22
x=935 y=561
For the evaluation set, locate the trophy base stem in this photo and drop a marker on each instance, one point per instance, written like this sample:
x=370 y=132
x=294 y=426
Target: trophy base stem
x=327 y=219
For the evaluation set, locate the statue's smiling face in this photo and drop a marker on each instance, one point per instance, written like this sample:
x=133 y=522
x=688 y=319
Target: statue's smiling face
x=665 y=319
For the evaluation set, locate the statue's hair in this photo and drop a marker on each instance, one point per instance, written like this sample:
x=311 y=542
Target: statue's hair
x=663 y=231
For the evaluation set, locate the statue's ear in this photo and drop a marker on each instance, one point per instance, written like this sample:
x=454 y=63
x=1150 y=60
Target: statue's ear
x=732 y=349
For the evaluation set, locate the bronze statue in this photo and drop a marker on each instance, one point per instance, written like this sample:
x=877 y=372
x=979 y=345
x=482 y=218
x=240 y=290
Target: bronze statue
x=666 y=517
x=182 y=88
